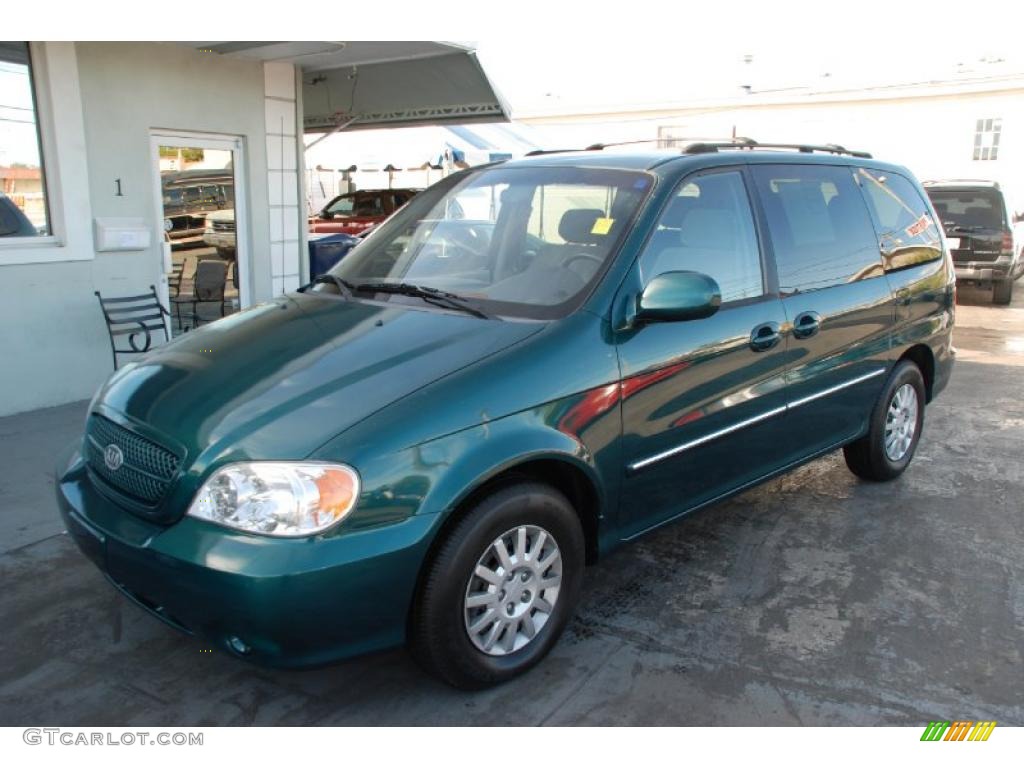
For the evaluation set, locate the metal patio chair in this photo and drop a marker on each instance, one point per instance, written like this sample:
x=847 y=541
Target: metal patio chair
x=174 y=281
x=208 y=286
x=135 y=317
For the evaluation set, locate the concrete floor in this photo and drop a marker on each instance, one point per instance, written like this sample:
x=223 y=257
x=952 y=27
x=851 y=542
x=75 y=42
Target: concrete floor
x=815 y=600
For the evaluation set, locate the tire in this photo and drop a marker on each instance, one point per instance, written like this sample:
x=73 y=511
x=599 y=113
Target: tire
x=439 y=631
x=1002 y=292
x=868 y=457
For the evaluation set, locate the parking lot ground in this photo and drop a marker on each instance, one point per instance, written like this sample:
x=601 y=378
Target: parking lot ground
x=816 y=599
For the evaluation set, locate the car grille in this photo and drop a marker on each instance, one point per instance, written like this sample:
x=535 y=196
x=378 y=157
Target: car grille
x=147 y=469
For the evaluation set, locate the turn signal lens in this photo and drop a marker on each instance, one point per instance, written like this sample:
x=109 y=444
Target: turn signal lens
x=278 y=498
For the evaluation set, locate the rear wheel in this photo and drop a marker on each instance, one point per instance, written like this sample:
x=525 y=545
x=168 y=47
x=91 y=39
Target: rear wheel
x=895 y=427
x=501 y=588
x=1002 y=292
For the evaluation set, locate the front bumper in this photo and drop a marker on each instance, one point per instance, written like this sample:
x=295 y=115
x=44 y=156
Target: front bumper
x=291 y=602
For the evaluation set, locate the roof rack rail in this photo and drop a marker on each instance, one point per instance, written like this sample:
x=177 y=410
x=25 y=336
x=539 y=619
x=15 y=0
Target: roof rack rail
x=598 y=146
x=590 y=148
x=741 y=142
x=604 y=145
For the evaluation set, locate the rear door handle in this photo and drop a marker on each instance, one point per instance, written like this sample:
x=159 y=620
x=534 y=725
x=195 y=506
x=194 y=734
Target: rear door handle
x=806 y=325
x=765 y=336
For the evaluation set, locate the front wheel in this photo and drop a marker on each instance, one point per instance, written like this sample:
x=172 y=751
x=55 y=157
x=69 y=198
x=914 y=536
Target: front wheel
x=501 y=587
x=894 y=430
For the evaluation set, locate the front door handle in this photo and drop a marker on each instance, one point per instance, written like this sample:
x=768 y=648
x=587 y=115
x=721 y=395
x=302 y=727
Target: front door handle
x=765 y=336
x=806 y=325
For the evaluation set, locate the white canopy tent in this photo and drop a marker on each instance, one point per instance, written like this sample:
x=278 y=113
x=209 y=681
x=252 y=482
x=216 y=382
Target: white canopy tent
x=359 y=85
x=407 y=157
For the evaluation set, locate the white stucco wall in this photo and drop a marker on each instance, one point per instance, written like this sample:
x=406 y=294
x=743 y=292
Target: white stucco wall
x=926 y=129
x=102 y=101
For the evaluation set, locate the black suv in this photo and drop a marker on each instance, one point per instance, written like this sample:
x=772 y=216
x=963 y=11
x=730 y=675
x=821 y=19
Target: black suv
x=979 y=229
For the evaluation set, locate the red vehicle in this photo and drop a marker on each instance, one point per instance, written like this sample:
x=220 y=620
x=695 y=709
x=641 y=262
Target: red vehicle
x=356 y=212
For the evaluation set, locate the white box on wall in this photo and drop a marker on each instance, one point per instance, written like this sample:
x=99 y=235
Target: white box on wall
x=121 y=234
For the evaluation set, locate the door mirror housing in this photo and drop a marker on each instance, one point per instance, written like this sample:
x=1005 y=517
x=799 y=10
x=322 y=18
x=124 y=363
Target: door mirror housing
x=678 y=296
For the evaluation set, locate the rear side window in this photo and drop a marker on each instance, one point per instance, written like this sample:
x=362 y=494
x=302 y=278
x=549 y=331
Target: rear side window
x=820 y=230
x=907 y=233
x=708 y=227
x=968 y=210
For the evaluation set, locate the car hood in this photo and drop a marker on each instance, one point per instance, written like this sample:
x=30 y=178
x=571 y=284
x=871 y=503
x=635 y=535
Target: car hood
x=279 y=380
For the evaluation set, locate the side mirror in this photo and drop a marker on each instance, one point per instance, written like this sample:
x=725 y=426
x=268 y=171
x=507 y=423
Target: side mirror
x=678 y=296
x=1018 y=217
x=325 y=214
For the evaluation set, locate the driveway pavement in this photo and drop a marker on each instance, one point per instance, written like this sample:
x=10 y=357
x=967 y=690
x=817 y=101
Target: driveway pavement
x=816 y=599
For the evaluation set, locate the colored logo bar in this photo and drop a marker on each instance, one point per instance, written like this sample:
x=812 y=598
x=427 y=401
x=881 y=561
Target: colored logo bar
x=958 y=730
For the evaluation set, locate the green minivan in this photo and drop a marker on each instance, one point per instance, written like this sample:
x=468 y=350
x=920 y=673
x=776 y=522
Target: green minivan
x=529 y=364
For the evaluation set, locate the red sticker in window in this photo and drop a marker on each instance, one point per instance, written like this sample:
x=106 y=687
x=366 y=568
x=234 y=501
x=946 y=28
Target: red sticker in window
x=918 y=226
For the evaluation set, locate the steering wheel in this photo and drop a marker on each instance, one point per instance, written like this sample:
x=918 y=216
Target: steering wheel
x=598 y=260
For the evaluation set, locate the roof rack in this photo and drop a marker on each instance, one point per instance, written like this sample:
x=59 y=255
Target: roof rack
x=742 y=142
x=536 y=152
x=700 y=145
x=597 y=147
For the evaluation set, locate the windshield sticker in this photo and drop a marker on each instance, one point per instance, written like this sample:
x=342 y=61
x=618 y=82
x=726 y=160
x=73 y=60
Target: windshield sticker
x=918 y=226
x=602 y=226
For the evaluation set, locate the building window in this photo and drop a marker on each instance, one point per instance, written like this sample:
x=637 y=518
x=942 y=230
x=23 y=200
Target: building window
x=23 y=207
x=986 y=138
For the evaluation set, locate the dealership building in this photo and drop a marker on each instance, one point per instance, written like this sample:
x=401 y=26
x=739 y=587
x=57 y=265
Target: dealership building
x=89 y=132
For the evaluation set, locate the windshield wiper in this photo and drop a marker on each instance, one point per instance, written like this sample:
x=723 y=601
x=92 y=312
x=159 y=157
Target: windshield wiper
x=433 y=296
x=344 y=287
x=964 y=228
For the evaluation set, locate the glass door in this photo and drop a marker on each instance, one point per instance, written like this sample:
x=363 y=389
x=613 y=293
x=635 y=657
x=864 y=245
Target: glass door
x=204 y=270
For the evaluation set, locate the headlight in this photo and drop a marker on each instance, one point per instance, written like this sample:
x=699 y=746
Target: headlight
x=278 y=498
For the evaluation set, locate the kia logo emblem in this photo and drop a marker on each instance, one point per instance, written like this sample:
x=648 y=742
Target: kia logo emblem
x=113 y=457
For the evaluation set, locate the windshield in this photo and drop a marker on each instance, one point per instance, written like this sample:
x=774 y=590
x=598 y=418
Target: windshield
x=969 y=209
x=524 y=242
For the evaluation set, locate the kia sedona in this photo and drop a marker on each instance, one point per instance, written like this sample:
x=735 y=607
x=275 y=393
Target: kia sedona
x=526 y=366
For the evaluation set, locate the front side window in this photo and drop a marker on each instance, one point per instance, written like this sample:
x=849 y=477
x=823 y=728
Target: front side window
x=524 y=242
x=907 y=233
x=23 y=206
x=820 y=229
x=707 y=227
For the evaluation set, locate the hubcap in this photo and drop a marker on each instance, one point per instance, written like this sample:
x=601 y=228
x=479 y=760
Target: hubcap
x=513 y=590
x=901 y=422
